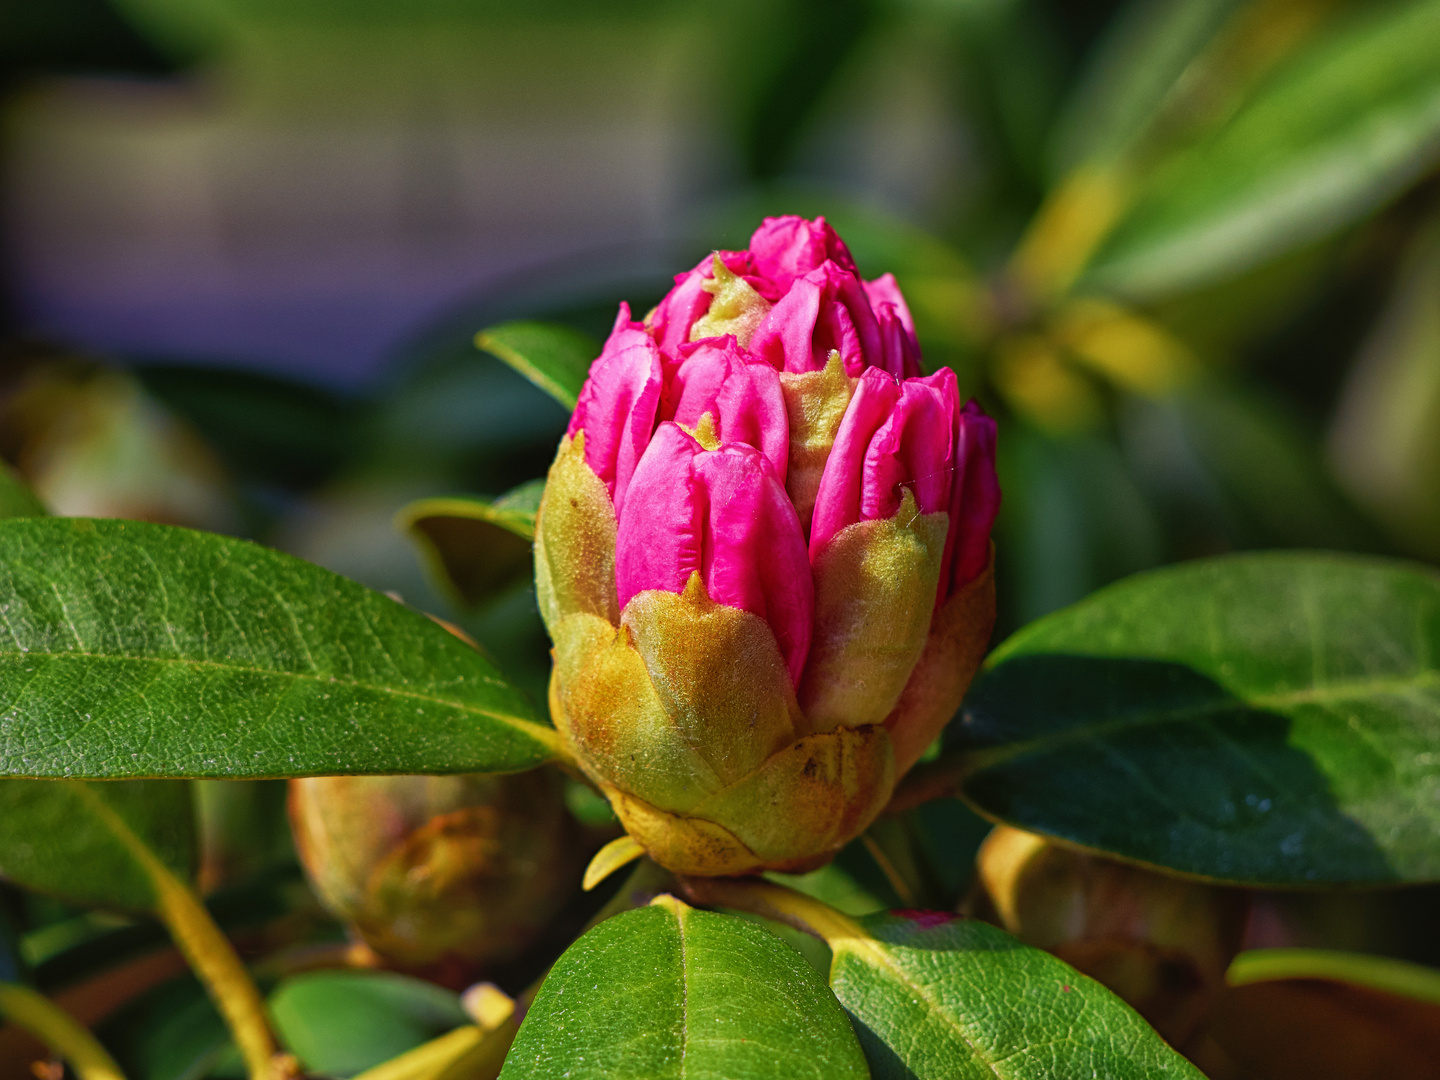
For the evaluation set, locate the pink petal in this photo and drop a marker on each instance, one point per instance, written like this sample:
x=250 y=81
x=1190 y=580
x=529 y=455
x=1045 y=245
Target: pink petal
x=824 y=310
x=618 y=404
x=789 y=247
x=725 y=514
x=976 y=499
x=894 y=435
x=740 y=392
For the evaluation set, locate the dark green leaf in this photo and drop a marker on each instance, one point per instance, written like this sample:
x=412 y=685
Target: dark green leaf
x=936 y=998
x=553 y=357
x=477 y=548
x=147 y=650
x=668 y=991
x=339 y=1023
x=172 y=1032
x=1343 y=127
x=67 y=837
x=1261 y=718
x=1133 y=72
x=16 y=499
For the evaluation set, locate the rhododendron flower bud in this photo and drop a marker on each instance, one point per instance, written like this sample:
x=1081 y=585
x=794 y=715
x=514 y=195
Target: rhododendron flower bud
x=763 y=555
x=438 y=874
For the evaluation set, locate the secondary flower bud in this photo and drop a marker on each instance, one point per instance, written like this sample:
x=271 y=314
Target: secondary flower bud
x=763 y=557
x=438 y=874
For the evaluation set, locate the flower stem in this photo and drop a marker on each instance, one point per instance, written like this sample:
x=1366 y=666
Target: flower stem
x=59 y=1030
x=208 y=951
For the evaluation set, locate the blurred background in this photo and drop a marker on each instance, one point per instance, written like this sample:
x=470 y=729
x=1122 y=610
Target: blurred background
x=1186 y=251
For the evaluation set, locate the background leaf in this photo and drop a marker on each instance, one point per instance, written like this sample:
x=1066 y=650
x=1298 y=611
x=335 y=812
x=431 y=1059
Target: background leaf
x=139 y=649
x=56 y=838
x=16 y=499
x=341 y=1022
x=1343 y=127
x=935 y=997
x=476 y=548
x=668 y=991
x=555 y=358
x=1260 y=718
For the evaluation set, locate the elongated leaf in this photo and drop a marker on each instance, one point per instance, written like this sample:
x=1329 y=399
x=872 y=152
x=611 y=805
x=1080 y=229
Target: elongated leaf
x=940 y=998
x=340 y=1022
x=553 y=357
x=1344 y=127
x=1133 y=72
x=63 y=837
x=667 y=991
x=17 y=500
x=1260 y=718
x=145 y=650
x=1309 y=1014
x=476 y=548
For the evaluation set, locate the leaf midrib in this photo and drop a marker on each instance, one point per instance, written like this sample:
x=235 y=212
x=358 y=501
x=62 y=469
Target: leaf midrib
x=541 y=734
x=982 y=759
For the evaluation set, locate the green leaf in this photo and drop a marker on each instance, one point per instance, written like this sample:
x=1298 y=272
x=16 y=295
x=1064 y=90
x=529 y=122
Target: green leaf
x=553 y=357
x=16 y=499
x=936 y=997
x=1269 y=719
x=1347 y=124
x=146 y=650
x=339 y=1023
x=172 y=1032
x=668 y=991
x=1132 y=74
x=476 y=548
x=65 y=837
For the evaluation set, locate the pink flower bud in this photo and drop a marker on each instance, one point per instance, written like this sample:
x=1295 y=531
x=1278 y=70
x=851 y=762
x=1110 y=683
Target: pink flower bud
x=746 y=696
x=618 y=403
x=786 y=248
x=724 y=515
x=740 y=393
x=894 y=435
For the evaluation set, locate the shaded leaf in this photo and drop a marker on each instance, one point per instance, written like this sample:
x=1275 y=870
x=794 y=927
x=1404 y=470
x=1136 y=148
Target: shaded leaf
x=936 y=997
x=555 y=358
x=1261 y=718
x=172 y=1032
x=16 y=499
x=1343 y=127
x=477 y=548
x=60 y=837
x=668 y=991
x=1306 y=1013
x=341 y=1022
x=138 y=649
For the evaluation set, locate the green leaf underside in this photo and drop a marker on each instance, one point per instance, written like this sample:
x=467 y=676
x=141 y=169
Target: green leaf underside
x=58 y=838
x=477 y=548
x=943 y=998
x=673 y=992
x=1343 y=128
x=342 y=1022
x=555 y=358
x=132 y=649
x=17 y=500
x=1271 y=719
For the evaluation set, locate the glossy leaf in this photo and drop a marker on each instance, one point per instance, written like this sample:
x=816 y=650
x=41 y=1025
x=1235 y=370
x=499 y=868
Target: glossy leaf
x=65 y=837
x=1262 y=718
x=553 y=357
x=145 y=650
x=1345 y=126
x=16 y=499
x=341 y=1022
x=936 y=997
x=477 y=548
x=668 y=991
